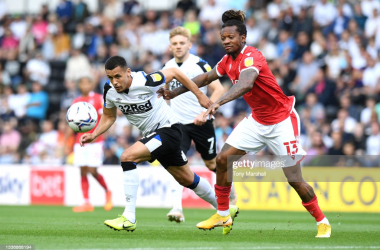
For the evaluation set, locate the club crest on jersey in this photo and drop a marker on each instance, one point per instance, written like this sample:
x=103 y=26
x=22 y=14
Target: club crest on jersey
x=207 y=67
x=143 y=97
x=156 y=77
x=248 y=61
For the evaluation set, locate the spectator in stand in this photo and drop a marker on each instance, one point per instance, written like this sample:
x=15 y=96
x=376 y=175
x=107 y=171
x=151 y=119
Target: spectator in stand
x=285 y=46
x=306 y=71
x=373 y=141
x=64 y=11
x=365 y=115
x=324 y=88
x=192 y=23
x=372 y=24
x=18 y=102
x=336 y=149
x=303 y=23
x=212 y=12
x=359 y=139
x=113 y=10
x=186 y=5
x=61 y=42
x=38 y=104
x=324 y=13
x=335 y=61
x=37 y=69
x=302 y=46
x=368 y=6
x=317 y=145
x=359 y=17
x=274 y=9
x=339 y=24
x=371 y=76
x=254 y=32
x=315 y=108
x=9 y=41
x=344 y=121
x=5 y=78
x=80 y=12
x=353 y=110
x=10 y=140
x=78 y=65
x=39 y=29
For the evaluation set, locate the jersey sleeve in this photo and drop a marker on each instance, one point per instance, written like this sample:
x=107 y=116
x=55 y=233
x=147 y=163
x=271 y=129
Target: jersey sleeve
x=204 y=66
x=155 y=79
x=106 y=101
x=221 y=67
x=252 y=60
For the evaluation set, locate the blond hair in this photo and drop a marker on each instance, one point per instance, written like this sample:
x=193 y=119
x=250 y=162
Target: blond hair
x=182 y=31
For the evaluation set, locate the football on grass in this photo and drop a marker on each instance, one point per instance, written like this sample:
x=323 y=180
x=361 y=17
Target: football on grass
x=81 y=117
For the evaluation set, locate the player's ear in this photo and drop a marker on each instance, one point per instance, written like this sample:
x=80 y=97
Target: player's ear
x=243 y=38
x=190 y=45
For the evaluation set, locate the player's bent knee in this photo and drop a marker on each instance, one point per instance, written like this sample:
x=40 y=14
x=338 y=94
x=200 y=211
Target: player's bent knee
x=211 y=164
x=128 y=157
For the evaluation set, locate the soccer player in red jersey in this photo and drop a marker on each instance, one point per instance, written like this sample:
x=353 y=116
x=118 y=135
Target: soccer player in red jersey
x=274 y=122
x=90 y=157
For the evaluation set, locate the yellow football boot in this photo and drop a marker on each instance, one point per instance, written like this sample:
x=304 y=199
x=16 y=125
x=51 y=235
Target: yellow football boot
x=121 y=223
x=324 y=231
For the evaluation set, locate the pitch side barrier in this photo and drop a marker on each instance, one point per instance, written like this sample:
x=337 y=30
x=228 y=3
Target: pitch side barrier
x=342 y=183
x=350 y=189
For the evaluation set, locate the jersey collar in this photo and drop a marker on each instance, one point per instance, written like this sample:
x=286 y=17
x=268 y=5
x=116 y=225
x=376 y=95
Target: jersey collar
x=242 y=51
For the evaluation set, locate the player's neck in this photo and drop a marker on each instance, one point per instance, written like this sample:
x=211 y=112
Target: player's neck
x=237 y=53
x=182 y=59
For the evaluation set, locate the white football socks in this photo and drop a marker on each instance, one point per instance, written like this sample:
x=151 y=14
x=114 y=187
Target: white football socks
x=223 y=213
x=176 y=190
x=131 y=184
x=324 y=220
x=206 y=192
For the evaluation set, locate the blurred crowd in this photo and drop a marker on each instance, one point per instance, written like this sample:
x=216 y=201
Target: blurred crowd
x=325 y=53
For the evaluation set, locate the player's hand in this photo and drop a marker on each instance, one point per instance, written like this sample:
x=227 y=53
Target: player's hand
x=86 y=138
x=211 y=111
x=166 y=93
x=199 y=121
x=204 y=101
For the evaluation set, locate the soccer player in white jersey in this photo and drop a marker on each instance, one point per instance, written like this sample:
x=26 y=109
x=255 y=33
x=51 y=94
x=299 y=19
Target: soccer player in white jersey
x=189 y=112
x=134 y=93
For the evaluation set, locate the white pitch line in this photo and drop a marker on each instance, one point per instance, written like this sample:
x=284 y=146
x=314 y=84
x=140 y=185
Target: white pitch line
x=242 y=248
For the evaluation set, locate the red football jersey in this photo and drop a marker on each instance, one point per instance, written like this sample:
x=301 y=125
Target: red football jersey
x=268 y=103
x=95 y=100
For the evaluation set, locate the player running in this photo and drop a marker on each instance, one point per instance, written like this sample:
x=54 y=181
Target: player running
x=189 y=112
x=134 y=93
x=90 y=157
x=274 y=121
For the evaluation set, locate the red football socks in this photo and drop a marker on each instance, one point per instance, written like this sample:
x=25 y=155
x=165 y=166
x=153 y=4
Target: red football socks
x=85 y=185
x=102 y=182
x=313 y=208
x=222 y=197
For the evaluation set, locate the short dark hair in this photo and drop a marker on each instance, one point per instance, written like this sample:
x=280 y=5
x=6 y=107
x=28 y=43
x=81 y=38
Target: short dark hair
x=235 y=18
x=114 y=62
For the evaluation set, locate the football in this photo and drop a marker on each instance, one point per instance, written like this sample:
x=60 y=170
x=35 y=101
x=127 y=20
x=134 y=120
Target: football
x=81 y=117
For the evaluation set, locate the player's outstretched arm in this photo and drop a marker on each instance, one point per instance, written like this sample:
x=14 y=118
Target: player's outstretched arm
x=189 y=84
x=108 y=118
x=244 y=85
x=200 y=80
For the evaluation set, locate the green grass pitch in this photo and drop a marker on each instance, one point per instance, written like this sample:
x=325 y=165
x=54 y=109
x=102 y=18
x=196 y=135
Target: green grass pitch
x=50 y=227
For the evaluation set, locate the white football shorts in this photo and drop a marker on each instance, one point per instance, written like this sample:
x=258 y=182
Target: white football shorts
x=91 y=155
x=282 y=138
